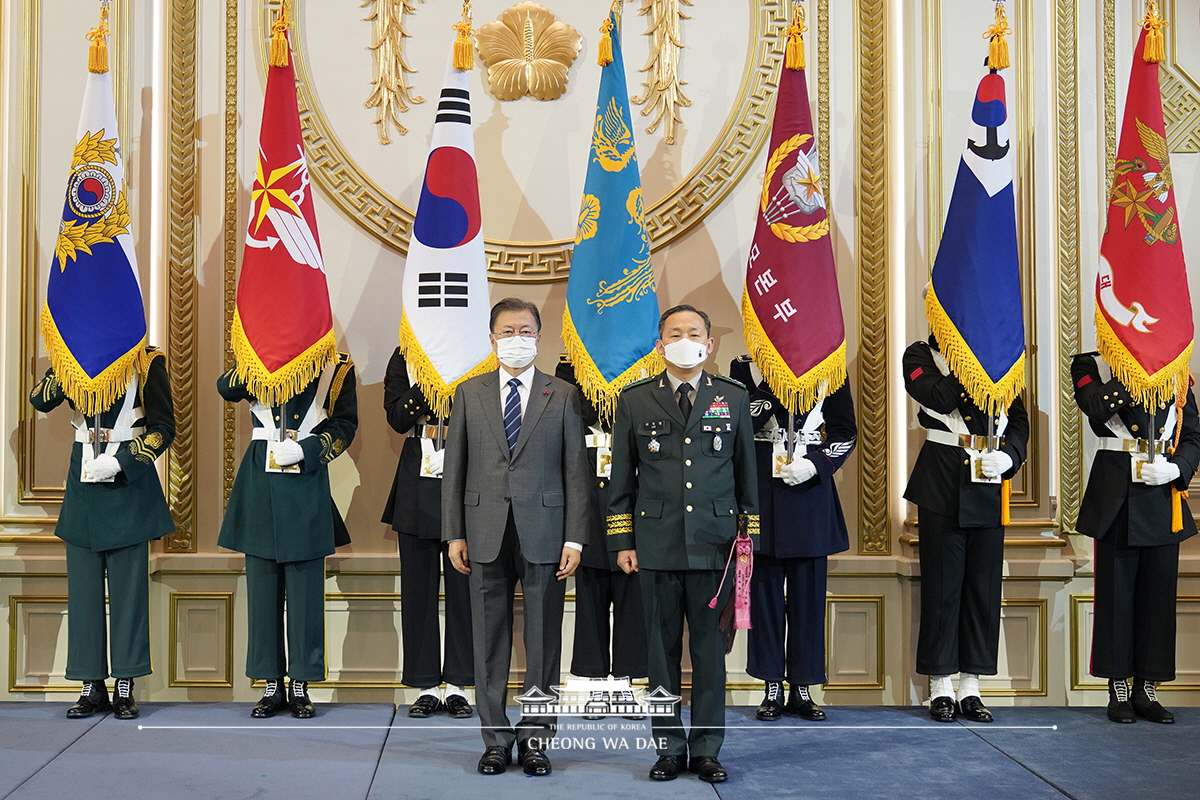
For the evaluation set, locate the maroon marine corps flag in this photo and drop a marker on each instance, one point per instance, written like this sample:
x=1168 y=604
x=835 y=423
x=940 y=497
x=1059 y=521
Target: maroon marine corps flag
x=790 y=306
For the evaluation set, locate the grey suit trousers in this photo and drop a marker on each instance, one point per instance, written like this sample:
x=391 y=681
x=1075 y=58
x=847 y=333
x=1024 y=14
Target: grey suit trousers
x=492 y=588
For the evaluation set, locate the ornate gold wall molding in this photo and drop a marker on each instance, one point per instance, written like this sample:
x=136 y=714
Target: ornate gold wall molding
x=664 y=89
x=232 y=239
x=823 y=87
x=1110 y=92
x=874 y=537
x=723 y=166
x=1181 y=109
x=182 y=319
x=1070 y=426
x=392 y=92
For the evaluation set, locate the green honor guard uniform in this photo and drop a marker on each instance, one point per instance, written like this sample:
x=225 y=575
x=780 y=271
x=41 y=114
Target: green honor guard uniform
x=110 y=512
x=283 y=518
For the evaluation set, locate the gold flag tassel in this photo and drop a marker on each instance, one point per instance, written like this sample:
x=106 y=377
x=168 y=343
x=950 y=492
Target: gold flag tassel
x=279 y=42
x=1177 y=496
x=605 y=56
x=998 y=57
x=464 y=49
x=794 y=57
x=1005 y=501
x=98 y=36
x=1155 y=52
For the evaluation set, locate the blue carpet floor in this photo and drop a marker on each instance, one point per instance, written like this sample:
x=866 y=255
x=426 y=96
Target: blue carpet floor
x=200 y=751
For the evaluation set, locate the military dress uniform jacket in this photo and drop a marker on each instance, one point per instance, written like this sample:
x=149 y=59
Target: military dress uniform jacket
x=941 y=476
x=287 y=517
x=414 y=506
x=679 y=485
x=806 y=520
x=131 y=509
x=1110 y=486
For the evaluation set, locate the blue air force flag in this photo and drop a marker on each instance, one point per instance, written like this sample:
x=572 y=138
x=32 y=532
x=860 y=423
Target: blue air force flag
x=445 y=306
x=93 y=323
x=974 y=302
x=610 y=323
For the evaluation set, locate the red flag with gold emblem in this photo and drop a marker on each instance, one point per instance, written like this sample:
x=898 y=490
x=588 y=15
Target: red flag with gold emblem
x=282 y=332
x=1144 y=324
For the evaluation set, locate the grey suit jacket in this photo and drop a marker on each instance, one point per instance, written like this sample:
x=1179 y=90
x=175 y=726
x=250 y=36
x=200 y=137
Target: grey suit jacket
x=545 y=480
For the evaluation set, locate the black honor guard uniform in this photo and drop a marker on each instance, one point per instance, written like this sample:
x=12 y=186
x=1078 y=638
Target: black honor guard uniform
x=286 y=523
x=414 y=510
x=106 y=525
x=603 y=647
x=961 y=535
x=801 y=525
x=1137 y=553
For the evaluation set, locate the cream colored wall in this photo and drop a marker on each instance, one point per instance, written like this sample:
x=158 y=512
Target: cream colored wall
x=896 y=95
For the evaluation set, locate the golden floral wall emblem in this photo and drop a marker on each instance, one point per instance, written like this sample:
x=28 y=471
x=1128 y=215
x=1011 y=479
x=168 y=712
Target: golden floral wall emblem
x=528 y=51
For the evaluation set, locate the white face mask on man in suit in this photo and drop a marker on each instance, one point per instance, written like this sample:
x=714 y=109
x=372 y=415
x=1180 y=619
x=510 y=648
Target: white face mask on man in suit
x=516 y=352
x=685 y=353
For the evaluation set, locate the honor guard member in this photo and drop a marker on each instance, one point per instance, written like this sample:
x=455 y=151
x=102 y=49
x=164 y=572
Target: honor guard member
x=801 y=523
x=112 y=507
x=956 y=486
x=281 y=515
x=414 y=510
x=682 y=473
x=1127 y=509
x=601 y=647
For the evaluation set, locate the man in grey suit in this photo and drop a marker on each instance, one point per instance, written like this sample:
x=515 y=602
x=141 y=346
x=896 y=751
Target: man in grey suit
x=515 y=492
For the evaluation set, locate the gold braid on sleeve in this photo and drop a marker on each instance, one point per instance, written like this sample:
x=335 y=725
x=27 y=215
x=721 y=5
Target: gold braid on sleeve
x=619 y=523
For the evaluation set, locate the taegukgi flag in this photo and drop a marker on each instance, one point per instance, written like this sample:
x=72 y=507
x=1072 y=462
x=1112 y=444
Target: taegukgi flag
x=610 y=323
x=282 y=332
x=445 y=304
x=93 y=322
x=791 y=310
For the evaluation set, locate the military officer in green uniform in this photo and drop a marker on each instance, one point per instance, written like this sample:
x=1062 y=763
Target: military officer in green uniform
x=682 y=472
x=111 y=510
x=281 y=515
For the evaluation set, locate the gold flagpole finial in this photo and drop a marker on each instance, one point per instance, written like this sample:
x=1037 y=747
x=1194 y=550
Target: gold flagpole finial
x=1155 y=51
x=464 y=49
x=794 y=57
x=998 y=57
x=606 y=33
x=279 y=42
x=98 y=36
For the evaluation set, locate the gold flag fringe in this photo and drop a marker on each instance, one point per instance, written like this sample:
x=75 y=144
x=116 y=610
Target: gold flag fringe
x=1154 y=51
x=798 y=393
x=437 y=391
x=279 y=41
x=276 y=388
x=1151 y=391
x=998 y=57
x=991 y=396
x=91 y=396
x=794 y=56
x=600 y=392
x=98 y=52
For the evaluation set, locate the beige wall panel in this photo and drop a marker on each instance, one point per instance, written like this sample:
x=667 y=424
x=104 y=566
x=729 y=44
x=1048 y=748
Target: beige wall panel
x=37 y=644
x=200 y=641
x=1023 y=651
x=854 y=642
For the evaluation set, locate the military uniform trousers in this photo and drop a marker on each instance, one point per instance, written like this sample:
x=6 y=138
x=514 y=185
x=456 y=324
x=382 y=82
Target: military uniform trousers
x=787 y=617
x=596 y=591
x=88 y=640
x=492 y=587
x=1133 y=633
x=669 y=596
x=961 y=570
x=423 y=566
x=302 y=583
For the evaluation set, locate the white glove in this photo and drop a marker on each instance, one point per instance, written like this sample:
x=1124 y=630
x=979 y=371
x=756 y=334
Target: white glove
x=436 y=459
x=1160 y=471
x=798 y=471
x=104 y=466
x=995 y=463
x=288 y=452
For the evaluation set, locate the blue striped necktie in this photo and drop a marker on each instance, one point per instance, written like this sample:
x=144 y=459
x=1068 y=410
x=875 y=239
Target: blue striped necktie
x=512 y=414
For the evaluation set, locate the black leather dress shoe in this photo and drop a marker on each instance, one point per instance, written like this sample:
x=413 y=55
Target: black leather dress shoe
x=708 y=769
x=941 y=709
x=272 y=702
x=93 y=699
x=425 y=705
x=495 y=760
x=124 y=706
x=771 y=707
x=298 y=700
x=972 y=708
x=800 y=702
x=456 y=706
x=535 y=762
x=1119 y=707
x=667 y=768
x=1145 y=703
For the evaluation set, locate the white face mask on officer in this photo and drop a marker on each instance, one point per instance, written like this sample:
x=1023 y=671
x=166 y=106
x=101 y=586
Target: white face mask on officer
x=685 y=353
x=516 y=352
